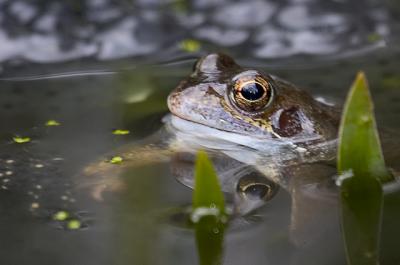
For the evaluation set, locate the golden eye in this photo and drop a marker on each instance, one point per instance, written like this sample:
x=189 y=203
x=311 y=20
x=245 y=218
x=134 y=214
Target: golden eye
x=252 y=94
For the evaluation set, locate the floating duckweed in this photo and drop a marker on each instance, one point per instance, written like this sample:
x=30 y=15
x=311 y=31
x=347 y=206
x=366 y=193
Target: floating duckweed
x=374 y=37
x=52 y=123
x=61 y=216
x=21 y=140
x=190 y=45
x=74 y=224
x=116 y=160
x=391 y=82
x=121 y=132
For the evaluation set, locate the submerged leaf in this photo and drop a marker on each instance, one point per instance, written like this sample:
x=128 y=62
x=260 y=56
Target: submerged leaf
x=362 y=201
x=209 y=240
x=359 y=147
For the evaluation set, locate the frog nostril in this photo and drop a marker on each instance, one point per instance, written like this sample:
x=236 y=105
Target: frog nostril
x=288 y=122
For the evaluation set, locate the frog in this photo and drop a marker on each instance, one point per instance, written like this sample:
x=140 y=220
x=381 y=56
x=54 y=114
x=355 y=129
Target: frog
x=263 y=134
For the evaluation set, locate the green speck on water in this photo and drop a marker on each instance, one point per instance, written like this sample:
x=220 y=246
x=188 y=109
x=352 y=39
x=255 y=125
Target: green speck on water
x=21 y=140
x=52 y=123
x=180 y=6
x=74 y=224
x=391 y=82
x=190 y=45
x=121 y=132
x=374 y=37
x=116 y=160
x=61 y=216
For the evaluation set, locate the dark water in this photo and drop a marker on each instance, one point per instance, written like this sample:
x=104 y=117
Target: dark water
x=316 y=45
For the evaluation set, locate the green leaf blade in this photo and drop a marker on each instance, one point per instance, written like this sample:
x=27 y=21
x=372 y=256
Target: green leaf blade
x=359 y=146
x=208 y=214
x=207 y=190
x=362 y=168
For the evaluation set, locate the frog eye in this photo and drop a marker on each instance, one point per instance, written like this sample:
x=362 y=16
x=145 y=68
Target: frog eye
x=256 y=191
x=255 y=187
x=252 y=94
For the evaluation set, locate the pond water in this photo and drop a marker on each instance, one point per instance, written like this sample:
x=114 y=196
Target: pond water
x=97 y=92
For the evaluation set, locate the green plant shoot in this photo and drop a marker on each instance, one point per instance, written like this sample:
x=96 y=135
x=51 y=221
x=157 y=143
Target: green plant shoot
x=362 y=169
x=208 y=214
x=207 y=191
x=359 y=145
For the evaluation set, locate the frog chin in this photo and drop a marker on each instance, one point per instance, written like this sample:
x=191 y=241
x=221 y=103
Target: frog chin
x=192 y=136
x=245 y=148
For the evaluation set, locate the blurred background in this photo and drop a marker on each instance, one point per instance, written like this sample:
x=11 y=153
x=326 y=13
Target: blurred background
x=98 y=65
x=49 y=31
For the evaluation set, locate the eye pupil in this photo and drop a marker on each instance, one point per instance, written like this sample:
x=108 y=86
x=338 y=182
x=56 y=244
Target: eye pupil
x=252 y=91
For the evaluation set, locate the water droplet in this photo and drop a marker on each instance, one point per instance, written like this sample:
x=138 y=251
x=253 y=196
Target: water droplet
x=365 y=119
x=201 y=212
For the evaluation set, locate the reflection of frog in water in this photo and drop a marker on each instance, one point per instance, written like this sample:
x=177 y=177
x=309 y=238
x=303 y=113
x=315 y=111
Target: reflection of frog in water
x=260 y=130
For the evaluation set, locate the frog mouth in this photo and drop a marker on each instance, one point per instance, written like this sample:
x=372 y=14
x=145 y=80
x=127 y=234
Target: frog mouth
x=248 y=149
x=197 y=136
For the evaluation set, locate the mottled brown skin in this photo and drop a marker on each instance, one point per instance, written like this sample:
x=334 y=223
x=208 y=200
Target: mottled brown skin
x=207 y=97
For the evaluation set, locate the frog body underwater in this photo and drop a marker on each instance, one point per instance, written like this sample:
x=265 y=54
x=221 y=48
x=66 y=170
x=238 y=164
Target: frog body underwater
x=255 y=119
